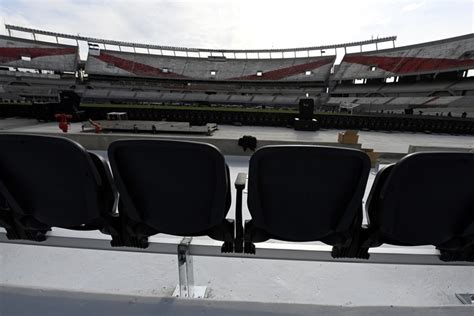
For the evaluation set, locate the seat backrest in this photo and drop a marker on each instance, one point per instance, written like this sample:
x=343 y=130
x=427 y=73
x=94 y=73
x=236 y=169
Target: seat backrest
x=174 y=187
x=3 y=202
x=426 y=199
x=51 y=179
x=304 y=193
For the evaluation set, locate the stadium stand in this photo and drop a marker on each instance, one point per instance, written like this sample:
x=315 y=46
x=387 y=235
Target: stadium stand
x=43 y=66
x=433 y=69
x=445 y=55
x=285 y=100
x=195 y=97
x=144 y=95
x=266 y=99
x=218 y=98
x=413 y=89
x=114 y=63
x=444 y=101
x=464 y=86
x=433 y=104
x=354 y=90
x=239 y=99
x=423 y=77
x=23 y=53
x=410 y=100
x=466 y=102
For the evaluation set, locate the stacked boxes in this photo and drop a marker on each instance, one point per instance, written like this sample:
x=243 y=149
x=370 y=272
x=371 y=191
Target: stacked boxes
x=351 y=137
x=372 y=155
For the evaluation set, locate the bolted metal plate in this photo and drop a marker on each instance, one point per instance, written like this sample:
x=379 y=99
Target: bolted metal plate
x=199 y=292
x=466 y=298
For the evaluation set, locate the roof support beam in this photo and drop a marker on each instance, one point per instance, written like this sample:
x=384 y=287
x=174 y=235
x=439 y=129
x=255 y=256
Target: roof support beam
x=10 y=27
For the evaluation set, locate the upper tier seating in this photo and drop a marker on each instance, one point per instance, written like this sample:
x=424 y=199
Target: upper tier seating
x=172 y=187
x=53 y=182
x=305 y=193
x=126 y=64
x=425 y=199
x=446 y=55
x=23 y=53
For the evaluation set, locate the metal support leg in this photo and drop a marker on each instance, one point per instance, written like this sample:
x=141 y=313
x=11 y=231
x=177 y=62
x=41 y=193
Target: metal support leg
x=186 y=287
x=185 y=269
x=240 y=182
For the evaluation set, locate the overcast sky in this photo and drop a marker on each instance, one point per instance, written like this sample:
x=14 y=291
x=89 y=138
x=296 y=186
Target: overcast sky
x=245 y=23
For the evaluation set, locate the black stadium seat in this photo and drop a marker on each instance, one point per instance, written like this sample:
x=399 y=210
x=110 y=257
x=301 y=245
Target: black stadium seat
x=6 y=220
x=3 y=203
x=53 y=182
x=305 y=193
x=425 y=199
x=172 y=187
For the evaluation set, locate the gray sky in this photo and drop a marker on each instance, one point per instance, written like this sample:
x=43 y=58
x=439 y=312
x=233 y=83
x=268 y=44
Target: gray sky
x=245 y=23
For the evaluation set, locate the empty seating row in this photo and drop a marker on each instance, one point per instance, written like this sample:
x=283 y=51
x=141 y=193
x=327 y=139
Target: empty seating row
x=295 y=193
x=225 y=98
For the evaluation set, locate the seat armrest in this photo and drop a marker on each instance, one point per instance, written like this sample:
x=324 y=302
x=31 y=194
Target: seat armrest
x=112 y=220
x=239 y=228
x=374 y=194
x=102 y=168
x=107 y=180
x=240 y=181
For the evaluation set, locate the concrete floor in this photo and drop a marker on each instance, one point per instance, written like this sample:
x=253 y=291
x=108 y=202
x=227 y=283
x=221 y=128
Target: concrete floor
x=232 y=279
x=74 y=303
x=391 y=142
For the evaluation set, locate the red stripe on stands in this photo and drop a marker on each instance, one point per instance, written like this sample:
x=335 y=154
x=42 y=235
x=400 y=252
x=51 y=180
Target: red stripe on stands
x=404 y=65
x=432 y=99
x=278 y=74
x=146 y=70
x=8 y=54
x=136 y=68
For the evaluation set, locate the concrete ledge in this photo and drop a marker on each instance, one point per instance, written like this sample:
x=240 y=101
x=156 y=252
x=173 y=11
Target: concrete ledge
x=227 y=146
